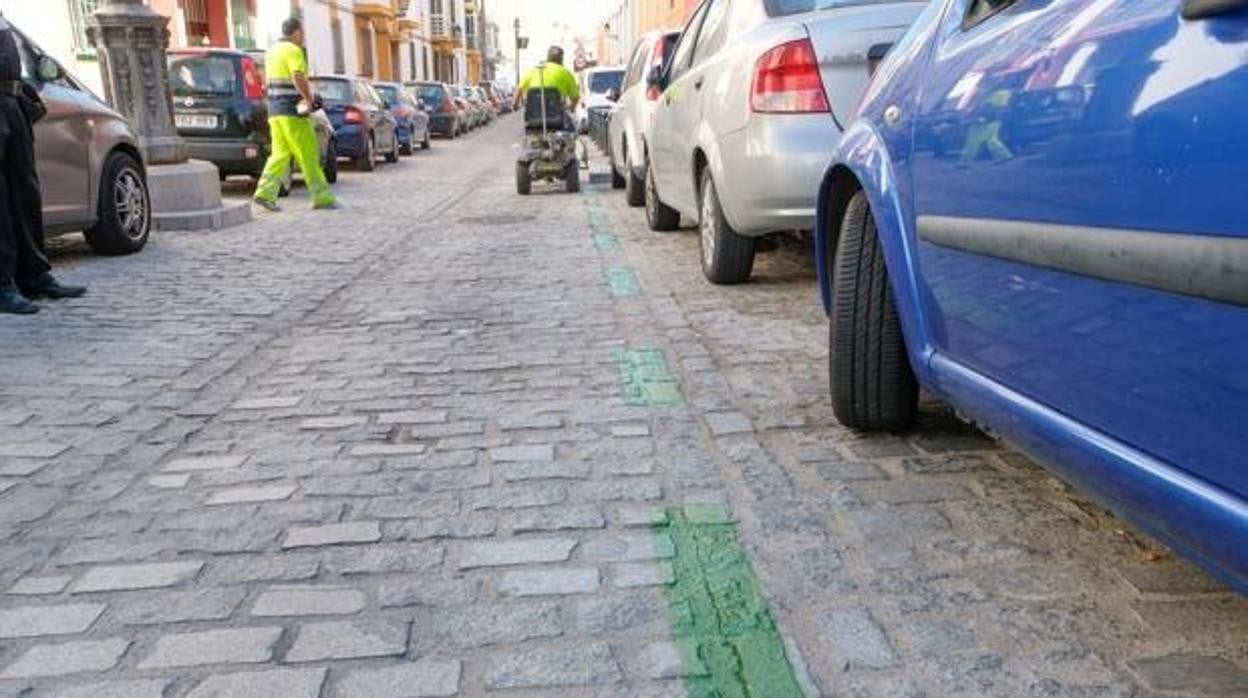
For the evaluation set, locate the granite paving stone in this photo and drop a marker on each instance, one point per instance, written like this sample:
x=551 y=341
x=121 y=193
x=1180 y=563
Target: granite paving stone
x=270 y=683
x=150 y=575
x=67 y=658
x=309 y=601
x=318 y=642
x=253 y=645
x=34 y=621
x=420 y=679
x=332 y=534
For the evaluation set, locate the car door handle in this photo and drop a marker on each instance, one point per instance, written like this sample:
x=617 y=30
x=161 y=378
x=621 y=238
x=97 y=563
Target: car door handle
x=1202 y=9
x=698 y=85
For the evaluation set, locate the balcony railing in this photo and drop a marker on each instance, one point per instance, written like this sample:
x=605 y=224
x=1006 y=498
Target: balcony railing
x=440 y=25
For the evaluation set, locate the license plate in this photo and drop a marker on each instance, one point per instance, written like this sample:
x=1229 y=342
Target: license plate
x=195 y=121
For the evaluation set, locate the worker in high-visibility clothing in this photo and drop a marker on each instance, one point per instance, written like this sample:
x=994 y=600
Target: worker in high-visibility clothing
x=291 y=133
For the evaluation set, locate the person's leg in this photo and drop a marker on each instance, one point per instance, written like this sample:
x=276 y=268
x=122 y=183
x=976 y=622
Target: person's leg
x=307 y=152
x=25 y=199
x=11 y=299
x=278 y=163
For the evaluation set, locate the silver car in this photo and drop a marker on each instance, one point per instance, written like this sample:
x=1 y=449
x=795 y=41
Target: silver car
x=91 y=171
x=628 y=132
x=751 y=110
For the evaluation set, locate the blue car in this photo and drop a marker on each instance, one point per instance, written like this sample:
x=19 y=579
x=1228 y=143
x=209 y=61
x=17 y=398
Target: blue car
x=363 y=127
x=1040 y=216
x=410 y=117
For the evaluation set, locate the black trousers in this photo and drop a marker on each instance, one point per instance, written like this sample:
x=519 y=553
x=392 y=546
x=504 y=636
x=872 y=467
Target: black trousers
x=22 y=256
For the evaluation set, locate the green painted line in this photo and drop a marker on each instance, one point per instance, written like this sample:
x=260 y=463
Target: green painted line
x=605 y=242
x=645 y=380
x=622 y=282
x=597 y=218
x=728 y=640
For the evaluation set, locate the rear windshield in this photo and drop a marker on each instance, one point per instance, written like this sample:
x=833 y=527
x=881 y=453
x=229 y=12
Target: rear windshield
x=432 y=94
x=203 y=76
x=333 y=90
x=606 y=81
x=779 y=8
x=390 y=93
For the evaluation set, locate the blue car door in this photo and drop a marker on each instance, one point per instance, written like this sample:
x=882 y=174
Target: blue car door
x=1081 y=194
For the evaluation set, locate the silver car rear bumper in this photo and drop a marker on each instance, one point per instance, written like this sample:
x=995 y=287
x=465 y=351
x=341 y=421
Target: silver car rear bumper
x=770 y=171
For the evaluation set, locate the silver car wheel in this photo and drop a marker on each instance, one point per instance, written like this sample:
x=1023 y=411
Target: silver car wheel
x=130 y=201
x=706 y=227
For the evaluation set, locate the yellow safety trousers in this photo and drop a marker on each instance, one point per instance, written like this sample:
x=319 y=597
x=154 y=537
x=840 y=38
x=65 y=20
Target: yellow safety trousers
x=294 y=137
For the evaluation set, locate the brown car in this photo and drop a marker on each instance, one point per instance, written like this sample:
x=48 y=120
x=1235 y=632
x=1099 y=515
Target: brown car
x=90 y=167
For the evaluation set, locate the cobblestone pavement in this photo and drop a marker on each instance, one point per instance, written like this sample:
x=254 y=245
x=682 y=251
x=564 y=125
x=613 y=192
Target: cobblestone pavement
x=415 y=448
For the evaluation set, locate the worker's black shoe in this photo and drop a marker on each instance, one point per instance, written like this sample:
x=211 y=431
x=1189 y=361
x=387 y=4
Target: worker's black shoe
x=46 y=286
x=13 y=302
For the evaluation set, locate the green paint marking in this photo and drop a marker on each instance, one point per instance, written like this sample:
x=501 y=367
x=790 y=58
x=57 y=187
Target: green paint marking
x=622 y=282
x=727 y=637
x=645 y=380
x=597 y=218
x=606 y=242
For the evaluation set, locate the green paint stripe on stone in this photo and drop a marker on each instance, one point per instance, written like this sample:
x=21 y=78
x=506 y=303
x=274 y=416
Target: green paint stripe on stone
x=645 y=380
x=606 y=242
x=728 y=640
x=622 y=282
x=597 y=218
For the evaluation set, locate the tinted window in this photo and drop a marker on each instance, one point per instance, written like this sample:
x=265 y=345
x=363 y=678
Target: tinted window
x=605 y=81
x=779 y=8
x=684 y=49
x=391 y=94
x=333 y=90
x=983 y=9
x=714 y=30
x=432 y=94
x=200 y=76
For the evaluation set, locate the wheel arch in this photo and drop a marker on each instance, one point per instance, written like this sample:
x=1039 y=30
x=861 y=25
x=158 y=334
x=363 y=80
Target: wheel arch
x=862 y=163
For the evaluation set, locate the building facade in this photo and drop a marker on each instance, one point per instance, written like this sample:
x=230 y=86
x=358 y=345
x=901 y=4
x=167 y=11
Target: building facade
x=629 y=20
x=60 y=27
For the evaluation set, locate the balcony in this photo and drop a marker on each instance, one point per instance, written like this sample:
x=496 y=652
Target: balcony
x=374 y=9
x=442 y=30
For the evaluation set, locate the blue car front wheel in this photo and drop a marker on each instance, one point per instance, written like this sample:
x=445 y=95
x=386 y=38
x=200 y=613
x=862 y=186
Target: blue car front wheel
x=873 y=385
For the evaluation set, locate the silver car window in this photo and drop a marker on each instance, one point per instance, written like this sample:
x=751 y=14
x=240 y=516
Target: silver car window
x=681 y=58
x=714 y=30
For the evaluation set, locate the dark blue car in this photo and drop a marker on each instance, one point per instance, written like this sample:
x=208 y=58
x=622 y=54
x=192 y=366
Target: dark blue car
x=1040 y=216
x=363 y=126
x=409 y=114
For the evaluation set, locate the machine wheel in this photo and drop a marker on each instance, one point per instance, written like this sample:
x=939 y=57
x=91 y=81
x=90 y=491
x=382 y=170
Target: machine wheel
x=331 y=162
x=368 y=161
x=572 y=177
x=125 y=209
x=524 y=179
x=634 y=186
x=659 y=215
x=873 y=386
x=727 y=256
x=393 y=156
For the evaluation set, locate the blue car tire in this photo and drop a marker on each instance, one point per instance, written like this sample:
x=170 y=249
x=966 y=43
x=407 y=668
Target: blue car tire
x=873 y=385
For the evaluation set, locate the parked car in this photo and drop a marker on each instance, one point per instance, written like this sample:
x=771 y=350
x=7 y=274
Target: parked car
x=477 y=99
x=1072 y=275
x=444 y=116
x=596 y=85
x=501 y=105
x=363 y=127
x=470 y=116
x=410 y=118
x=91 y=171
x=629 y=128
x=749 y=116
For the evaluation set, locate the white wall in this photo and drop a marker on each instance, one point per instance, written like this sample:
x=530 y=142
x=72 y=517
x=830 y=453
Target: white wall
x=47 y=24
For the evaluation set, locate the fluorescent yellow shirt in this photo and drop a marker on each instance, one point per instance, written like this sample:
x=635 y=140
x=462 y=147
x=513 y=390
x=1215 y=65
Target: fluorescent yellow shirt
x=284 y=60
x=552 y=75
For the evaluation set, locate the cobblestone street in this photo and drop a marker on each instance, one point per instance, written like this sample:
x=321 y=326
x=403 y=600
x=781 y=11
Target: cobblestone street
x=448 y=441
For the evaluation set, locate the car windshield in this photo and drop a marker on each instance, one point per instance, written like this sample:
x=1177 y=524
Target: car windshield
x=390 y=93
x=332 y=90
x=605 y=81
x=200 y=76
x=779 y=8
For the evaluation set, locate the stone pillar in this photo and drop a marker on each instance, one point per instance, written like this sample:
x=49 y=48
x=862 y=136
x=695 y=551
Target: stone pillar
x=131 y=39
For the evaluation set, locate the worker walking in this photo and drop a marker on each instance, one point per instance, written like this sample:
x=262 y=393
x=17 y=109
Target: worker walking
x=291 y=132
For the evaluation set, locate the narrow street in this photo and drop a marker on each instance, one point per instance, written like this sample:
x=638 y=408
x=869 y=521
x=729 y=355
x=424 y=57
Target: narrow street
x=452 y=441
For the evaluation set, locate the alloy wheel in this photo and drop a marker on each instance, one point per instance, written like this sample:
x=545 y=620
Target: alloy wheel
x=706 y=227
x=130 y=202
